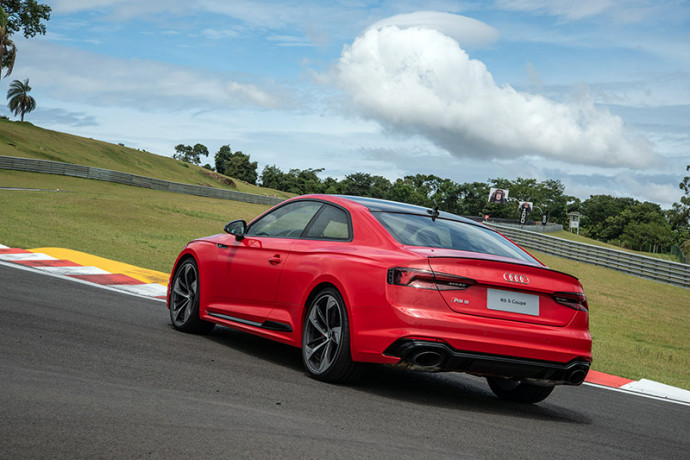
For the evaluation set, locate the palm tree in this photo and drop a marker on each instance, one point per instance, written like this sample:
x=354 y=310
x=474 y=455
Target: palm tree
x=8 y=52
x=18 y=95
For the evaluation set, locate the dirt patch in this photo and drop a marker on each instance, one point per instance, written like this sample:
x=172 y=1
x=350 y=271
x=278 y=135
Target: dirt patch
x=220 y=178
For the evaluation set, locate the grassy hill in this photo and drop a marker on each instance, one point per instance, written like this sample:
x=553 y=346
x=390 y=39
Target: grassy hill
x=22 y=139
x=640 y=327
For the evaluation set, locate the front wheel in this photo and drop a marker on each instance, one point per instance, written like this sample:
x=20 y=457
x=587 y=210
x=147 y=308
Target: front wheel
x=184 y=300
x=326 y=339
x=518 y=391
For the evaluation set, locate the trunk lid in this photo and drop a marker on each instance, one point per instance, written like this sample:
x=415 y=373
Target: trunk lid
x=507 y=290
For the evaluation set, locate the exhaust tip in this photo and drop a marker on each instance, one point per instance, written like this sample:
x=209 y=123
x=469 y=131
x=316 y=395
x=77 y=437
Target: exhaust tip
x=428 y=359
x=577 y=376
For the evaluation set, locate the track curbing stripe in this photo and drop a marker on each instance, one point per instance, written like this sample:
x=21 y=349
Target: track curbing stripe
x=110 y=266
x=75 y=270
x=12 y=256
x=661 y=390
x=91 y=269
x=607 y=380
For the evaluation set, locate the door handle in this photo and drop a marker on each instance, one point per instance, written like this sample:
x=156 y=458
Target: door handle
x=275 y=260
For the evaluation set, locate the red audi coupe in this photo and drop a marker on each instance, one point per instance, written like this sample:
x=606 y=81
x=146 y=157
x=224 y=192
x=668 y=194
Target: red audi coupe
x=354 y=280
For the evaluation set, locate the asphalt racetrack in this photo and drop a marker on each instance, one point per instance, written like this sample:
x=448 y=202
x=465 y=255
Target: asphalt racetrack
x=87 y=372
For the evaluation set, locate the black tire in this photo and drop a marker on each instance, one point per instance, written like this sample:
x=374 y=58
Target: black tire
x=518 y=391
x=184 y=300
x=326 y=339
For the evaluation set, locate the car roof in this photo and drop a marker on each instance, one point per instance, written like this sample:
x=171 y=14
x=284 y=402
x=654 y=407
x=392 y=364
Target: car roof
x=379 y=205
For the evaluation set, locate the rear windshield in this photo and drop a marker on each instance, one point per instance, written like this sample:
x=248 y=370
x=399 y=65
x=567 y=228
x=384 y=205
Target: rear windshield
x=416 y=230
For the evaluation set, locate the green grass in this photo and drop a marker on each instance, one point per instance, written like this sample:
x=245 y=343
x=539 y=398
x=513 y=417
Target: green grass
x=640 y=327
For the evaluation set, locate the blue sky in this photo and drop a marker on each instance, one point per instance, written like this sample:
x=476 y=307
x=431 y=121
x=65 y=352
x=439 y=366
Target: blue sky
x=595 y=93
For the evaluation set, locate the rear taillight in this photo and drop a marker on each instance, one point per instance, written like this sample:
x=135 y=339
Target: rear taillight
x=426 y=279
x=574 y=300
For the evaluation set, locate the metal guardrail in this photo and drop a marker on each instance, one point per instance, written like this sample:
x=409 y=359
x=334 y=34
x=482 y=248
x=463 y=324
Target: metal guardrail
x=532 y=227
x=633 y=264
x=107 y=175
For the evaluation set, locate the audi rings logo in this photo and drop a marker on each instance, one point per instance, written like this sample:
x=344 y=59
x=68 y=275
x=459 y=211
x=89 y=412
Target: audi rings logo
x=513 y=278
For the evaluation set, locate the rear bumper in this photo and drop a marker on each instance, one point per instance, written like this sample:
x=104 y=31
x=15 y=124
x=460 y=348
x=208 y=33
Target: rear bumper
x=433 y=356
x=375 y=328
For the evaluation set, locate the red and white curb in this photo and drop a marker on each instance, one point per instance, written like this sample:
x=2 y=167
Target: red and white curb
x=72 y=270
x=129 y=285
x=643 y=387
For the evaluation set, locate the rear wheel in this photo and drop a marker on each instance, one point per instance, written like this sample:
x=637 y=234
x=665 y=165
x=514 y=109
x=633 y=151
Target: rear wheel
x=326 y=339
x=184 y=300
x=518 y=391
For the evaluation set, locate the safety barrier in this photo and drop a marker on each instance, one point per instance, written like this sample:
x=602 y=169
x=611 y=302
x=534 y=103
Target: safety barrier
x=107 y=175
x=633 y=264
x=528 y=227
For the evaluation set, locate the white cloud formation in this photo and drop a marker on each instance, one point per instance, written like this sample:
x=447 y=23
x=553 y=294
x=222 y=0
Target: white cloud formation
x=148 y=85
x=619 y=11
x=290 y=41
x=120 y=9
x=251 y=94
x=418 y=80
x=215 y=34
x=571 y=10
x=259 y=14
x=70 y=6
x=469 y=33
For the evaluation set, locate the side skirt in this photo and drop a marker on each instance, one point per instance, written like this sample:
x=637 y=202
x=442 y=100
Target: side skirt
x=268 y=325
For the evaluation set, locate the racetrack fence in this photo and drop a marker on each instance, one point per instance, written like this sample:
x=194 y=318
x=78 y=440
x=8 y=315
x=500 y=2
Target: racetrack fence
x=633 y=264
x=88 y=172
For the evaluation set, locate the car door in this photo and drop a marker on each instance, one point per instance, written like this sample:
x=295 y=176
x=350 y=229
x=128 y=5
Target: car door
x=252 y=266
x=323 y=245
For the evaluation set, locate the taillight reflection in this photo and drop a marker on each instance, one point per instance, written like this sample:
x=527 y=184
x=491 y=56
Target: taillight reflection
x=426 y=279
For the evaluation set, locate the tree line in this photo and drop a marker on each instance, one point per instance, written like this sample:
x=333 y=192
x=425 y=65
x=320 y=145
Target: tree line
x=625 y=222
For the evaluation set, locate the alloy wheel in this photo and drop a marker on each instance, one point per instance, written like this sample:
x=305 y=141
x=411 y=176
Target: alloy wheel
x=323 y=334
x=183 y=294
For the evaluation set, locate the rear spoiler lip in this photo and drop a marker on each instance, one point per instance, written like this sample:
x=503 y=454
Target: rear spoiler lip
x=516 y=262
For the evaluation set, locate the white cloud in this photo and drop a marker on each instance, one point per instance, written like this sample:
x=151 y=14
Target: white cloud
x=656 y=188
x=120 y=9
x=290 y=41
x=418 y=80
x=469 y=33
x=63 y=117
x=618 y=11
x=148 y=85
x=252 y=94
x=571 y=10
x=70 y=6
x=215 y=34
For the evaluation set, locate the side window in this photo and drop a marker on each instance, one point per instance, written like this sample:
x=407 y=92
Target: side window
x=331 y=223
x=288 y=221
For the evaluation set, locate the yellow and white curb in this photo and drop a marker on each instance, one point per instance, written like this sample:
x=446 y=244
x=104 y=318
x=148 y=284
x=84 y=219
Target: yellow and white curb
x=90 y=269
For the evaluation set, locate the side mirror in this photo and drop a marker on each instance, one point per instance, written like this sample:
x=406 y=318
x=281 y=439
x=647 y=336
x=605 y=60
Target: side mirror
x=237 y=228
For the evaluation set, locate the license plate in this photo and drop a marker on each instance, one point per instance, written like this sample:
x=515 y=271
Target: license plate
x=514 y=302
